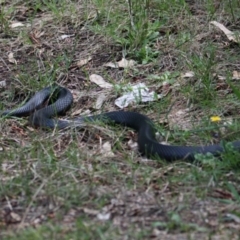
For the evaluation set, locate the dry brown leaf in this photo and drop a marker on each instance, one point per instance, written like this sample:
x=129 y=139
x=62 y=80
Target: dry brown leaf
x=133 y=145
x=106 y=150
x=97 y=79
x=100 y=100
x=236 y=75
x=11 y=58
x=188 y=74
x=15 y=218
x=124 y=63
x=230 y=35
x=221 y=77
x=16 y=24
x=83 y=62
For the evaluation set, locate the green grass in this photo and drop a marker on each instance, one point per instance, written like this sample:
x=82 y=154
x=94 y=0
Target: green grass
x=60 y=185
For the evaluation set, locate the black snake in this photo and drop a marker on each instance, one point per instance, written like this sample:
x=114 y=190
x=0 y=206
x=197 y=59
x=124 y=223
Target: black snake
x=43 y=117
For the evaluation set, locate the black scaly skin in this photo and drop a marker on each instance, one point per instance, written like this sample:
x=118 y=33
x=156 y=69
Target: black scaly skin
x=147 y=142
x=36 y=102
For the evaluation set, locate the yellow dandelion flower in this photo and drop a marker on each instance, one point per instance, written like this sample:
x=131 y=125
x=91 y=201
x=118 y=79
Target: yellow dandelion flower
x=215 y=119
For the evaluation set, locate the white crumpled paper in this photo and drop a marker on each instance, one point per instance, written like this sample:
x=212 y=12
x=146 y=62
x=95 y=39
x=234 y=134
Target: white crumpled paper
x=137 y=93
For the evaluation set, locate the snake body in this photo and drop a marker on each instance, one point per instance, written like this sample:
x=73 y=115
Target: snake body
x=147 y=143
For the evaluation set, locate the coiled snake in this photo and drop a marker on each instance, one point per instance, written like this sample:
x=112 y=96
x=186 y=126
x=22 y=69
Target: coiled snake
x=147 y=143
